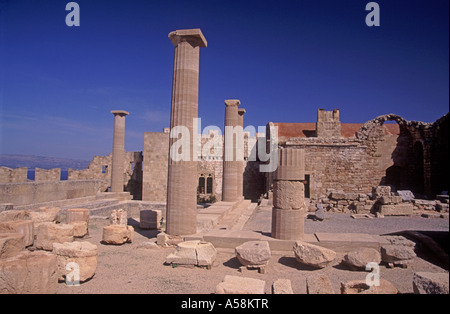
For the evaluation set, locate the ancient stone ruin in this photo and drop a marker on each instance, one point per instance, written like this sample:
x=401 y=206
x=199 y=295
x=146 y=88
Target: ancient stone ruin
x=205 y=205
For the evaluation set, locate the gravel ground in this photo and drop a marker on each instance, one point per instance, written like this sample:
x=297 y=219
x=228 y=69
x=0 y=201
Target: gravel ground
x=131 y=269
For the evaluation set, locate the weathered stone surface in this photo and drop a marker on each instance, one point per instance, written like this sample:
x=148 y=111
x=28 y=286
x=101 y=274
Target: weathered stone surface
x=394 y=253
x=240 y=285
x=25 y=227
x=406 y=195
x=117 y=234
x=253 y=253
x=84 y=254
x=197 y=253
x=282 y=286
x=320 y=212
x=77 y=214
x=399 y=240
x=291 y=165
x=289 y=195
x=381 y=190
x=150 y=219
x=45 y=214
x=431 y=283
x=360 y=258
x=337 y=196
x=313 y=255
x=10 y=244
x=404 y=209
x=361 y=287
x=288 y=224
x=119 y=217
x=29 y=273
x=319 y=283
x=390 y=199
x=442 y=208
x=49 y=233
x=80 y=228
x=11 y=215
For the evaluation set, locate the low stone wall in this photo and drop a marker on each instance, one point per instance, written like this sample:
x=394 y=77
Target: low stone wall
x=47 y=191
x=8 y=175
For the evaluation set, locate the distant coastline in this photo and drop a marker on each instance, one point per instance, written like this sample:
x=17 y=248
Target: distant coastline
x=30 y=161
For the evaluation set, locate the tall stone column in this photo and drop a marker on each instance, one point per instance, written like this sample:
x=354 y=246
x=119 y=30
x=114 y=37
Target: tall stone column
x=182 y=175
x=118 y=152
x=288 y=214
x=240 y=164
x=230 y=165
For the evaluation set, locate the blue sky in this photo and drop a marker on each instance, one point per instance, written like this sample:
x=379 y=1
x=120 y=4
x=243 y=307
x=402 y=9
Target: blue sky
x=282 y=59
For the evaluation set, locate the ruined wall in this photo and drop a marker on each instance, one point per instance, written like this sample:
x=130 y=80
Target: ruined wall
x=8 y=175
x=328 y=124
x=155 y=166
x=100 y=168
x=47 y=175
x=47 y=191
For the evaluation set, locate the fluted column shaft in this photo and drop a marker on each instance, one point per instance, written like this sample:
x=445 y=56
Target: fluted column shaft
x=230 y=165
x=240 y=164
x=118 y=151
x=182 y=175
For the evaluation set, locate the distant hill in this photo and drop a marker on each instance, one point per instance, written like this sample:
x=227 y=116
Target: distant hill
x=29 y=161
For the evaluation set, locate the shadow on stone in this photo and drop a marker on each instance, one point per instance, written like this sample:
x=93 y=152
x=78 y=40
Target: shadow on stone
x=293 y=263
x=233 y=263
x=152 y=233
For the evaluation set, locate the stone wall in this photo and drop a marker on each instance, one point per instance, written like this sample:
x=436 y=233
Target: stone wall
x=8 y=175
x=48 y=191
x=47 y=175
x=100 y=168
x=155 y=166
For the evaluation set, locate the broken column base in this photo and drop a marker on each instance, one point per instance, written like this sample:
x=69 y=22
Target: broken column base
x=288 y=224
x=193 y=253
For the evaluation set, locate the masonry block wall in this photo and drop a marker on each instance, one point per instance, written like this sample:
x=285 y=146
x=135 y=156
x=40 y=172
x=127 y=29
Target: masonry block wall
x=8 y=175
x=47 y=175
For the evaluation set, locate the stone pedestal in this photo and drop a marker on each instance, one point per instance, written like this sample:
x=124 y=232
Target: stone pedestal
x=288 y=215
x=182 y=174
x=230 y=164
x=150 y=219
x=118 y=152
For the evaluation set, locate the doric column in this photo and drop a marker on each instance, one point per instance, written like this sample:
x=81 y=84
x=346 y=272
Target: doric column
x=289 y=206
x=240 y=164
x=230 y=165
x=182 y=174
x=118 y=152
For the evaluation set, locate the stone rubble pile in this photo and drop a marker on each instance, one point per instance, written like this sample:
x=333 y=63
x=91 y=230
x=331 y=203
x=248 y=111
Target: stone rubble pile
x=382 y=202
x=36 y=249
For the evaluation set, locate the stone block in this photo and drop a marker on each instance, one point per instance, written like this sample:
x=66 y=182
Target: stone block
x=150 y=219
x=80 y=228
x=361 y=287
x=11 y=244
x=442 y=207
x=6 y=206
x=29 y=273
x=25 y=227
x=431 y=283
x=253 y=253
x=381 y=190
x=319 y=283
x=117 y=234
x=196 y=253
x=405 y=209
x=12 y=215
x=396 y=253
x=337 y=196
x=49 y=233
x=359 y=259
x=289 y=195
x=390 y=200
x=313 y=255
x=351 y=196
x=240 y=285
x=44 y=215
x=406 y=195
x=282 y=286
x=77 y=214
x=84 y=254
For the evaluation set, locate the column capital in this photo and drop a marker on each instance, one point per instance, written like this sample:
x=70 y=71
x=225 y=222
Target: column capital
x=193 y=36
x=241 y=111
x=232 y=102
x=120 y=112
